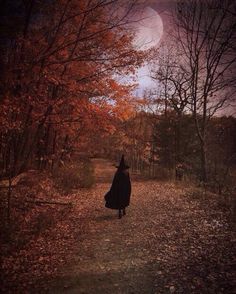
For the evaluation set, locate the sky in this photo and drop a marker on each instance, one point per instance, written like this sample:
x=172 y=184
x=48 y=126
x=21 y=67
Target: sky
x=154 y=30
x=150 y=31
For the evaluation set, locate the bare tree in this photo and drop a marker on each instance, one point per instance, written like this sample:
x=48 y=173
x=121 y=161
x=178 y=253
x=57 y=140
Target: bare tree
x=206 y=33
x=174 y=87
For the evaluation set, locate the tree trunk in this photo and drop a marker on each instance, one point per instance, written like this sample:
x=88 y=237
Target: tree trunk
x=9 y=200
x=203 y=163
x=178 y=140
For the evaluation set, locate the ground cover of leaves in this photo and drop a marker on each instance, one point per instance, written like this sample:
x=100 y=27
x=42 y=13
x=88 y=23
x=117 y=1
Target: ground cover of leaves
x=167 y=243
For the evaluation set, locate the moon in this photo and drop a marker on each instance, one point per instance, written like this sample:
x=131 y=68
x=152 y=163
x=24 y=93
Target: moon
x=148 y=29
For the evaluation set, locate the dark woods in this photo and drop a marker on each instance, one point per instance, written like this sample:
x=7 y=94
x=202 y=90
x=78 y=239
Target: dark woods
x=57 y=95
x=60 y=99
x=160 y=144
x=57 y=87
x=63 y=101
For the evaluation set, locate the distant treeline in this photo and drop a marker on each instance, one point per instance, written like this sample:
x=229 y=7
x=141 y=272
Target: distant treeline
x=168 y=140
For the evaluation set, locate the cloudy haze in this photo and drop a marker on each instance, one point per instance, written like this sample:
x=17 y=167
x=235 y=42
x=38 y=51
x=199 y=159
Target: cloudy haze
x=150 y=31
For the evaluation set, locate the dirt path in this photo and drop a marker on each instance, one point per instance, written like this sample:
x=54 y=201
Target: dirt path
x=167 y=243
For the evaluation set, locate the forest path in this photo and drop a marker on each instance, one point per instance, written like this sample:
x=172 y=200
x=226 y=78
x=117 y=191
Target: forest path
x=167 y=243
x=103 y=170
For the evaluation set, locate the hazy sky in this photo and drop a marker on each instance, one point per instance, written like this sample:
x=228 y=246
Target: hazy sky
x=156 y=14
x=164 y=9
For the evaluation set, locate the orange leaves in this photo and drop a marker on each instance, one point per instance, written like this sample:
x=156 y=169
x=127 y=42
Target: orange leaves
x=66 y=77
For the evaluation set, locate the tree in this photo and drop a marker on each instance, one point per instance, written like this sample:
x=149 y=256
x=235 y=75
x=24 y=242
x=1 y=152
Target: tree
x=173 y=84
x=222 y=154
x=60 y=81
x=206 y=33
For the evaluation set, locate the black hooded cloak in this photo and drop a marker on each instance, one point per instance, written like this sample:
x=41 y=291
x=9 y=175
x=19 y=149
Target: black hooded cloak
x=119 y=195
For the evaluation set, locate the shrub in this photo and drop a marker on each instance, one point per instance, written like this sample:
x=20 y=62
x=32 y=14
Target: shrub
x=74 y=176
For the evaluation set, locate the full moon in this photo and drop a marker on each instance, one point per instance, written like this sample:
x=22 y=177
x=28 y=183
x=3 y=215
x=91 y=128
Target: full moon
x=148 y=29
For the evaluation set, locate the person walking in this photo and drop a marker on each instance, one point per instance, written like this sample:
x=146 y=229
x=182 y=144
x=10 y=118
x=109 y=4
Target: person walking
x=118 y=197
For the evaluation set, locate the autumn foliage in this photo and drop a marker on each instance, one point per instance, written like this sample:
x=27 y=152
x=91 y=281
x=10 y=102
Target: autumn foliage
x=60 y=83
x=67 y=84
